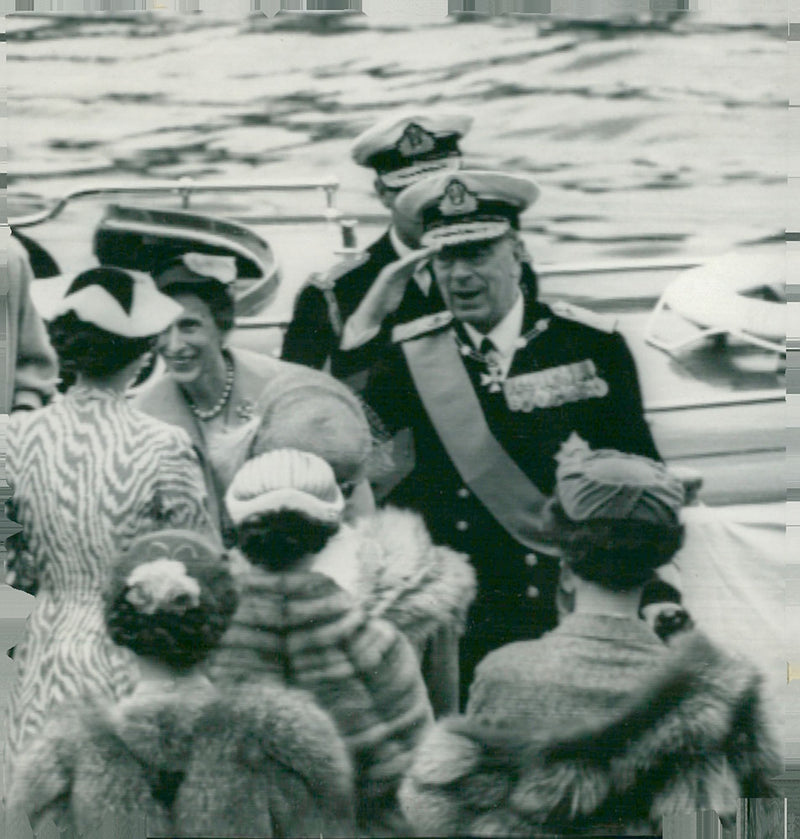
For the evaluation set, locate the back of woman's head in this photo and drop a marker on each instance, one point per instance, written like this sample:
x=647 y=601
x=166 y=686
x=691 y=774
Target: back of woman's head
x=285 y=505
x=619 y=555
x=107 y=319
x=276 y=541
x=171 y=597
x=96 y=353
x=616 y=515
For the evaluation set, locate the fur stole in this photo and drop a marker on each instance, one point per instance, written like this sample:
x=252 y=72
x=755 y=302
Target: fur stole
x=194 y=762
x=694 y=737
x=388 y=562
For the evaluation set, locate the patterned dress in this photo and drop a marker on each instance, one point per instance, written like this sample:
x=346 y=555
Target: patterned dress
x=89 y=473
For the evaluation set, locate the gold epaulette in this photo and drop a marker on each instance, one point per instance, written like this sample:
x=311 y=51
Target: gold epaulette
x=325 y=280
x=605 y=323
x=427 y=323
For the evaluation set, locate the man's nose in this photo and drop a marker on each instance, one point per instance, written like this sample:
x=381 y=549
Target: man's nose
x=461 y=267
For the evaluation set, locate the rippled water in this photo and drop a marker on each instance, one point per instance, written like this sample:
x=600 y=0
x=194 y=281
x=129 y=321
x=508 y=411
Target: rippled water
x=647 y=141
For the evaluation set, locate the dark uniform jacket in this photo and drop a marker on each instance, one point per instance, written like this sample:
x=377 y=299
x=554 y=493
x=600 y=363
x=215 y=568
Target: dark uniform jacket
x=516 y=588
x=315 y=333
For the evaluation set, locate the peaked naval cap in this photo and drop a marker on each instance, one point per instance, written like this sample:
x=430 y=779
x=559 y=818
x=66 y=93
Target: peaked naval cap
x=121 y=302
x=467 y=206
x=404 y=148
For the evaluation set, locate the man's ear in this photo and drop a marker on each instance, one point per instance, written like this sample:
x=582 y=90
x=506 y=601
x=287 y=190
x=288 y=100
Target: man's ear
x=520 y=250
x=386 y=196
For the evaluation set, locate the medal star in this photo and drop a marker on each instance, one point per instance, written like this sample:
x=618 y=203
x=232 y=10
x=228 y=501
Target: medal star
x=493 y=380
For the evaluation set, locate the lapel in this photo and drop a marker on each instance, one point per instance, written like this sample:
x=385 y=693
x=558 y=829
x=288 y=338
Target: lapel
x=164 y=400
x=250 y=381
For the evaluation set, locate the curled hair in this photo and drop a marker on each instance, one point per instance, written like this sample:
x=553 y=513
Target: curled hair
x=276 y=541
x=180 y=638
x=85 y=348
x=214 y=294
x=617 y=554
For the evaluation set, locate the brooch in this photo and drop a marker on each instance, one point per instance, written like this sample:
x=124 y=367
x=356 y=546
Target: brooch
x=244 y=410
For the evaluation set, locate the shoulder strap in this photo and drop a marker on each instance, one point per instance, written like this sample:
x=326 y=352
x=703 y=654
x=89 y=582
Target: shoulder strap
x=453 y=407
x=568 y=311
x=326 y=281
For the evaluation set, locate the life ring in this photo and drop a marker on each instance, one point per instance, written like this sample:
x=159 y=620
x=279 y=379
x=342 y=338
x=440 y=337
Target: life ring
x=718 y=298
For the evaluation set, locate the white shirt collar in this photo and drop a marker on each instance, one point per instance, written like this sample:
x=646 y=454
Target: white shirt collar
x=505 y=335
x=422 y=277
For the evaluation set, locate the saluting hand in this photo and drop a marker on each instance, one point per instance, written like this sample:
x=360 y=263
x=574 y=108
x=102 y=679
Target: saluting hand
x=387 y=291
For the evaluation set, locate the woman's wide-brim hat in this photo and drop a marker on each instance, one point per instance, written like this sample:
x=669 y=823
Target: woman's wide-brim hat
x=122 y=302
x=456 y=208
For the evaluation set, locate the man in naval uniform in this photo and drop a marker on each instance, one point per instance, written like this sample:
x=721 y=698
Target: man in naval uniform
x=401 y=150
x=491 y=387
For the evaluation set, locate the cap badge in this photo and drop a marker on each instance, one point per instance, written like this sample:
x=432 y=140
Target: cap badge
x=416 y=141
x=457 y=200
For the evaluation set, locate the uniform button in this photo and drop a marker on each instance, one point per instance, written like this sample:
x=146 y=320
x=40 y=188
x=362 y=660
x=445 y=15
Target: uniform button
x=531 y=559
x=462 y=526
x=463 y=493
x=532 y=592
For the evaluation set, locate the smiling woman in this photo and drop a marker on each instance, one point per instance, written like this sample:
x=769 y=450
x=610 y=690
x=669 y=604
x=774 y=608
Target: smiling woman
x=208 y=389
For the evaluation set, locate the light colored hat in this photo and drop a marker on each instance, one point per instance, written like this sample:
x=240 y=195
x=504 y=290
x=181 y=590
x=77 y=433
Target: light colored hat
x=125 y=303
x=467 y=206
x=607 y=484
x=285 y=479
x=404 y=148
x=308 y=410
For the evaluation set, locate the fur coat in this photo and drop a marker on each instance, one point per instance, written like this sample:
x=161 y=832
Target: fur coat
x=265 y=762
x=693 y=737
x=388 y=562
x=400 y=575
x=303 y=629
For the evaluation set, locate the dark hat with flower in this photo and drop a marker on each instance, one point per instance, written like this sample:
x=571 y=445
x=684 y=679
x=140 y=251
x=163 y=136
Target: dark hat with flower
x=171 y=597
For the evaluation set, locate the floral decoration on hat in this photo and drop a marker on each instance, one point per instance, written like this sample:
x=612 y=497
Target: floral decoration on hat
x=222 y=268
x=162 y=585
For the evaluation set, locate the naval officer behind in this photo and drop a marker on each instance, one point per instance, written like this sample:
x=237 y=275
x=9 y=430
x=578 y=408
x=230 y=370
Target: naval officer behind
x=491 y=387
x=400 y=149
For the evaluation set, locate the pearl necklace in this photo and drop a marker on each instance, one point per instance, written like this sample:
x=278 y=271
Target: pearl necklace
x=217 y=409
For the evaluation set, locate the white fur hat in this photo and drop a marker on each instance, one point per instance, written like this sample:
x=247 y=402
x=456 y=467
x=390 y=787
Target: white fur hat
x=285 y=479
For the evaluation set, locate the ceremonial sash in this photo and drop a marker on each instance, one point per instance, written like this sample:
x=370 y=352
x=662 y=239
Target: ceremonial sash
x=484 y=465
